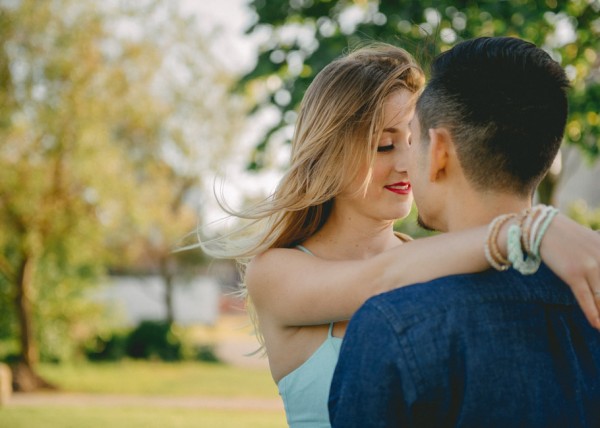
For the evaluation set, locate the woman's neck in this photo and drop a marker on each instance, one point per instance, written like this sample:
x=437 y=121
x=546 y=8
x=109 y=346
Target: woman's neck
x=349 y=236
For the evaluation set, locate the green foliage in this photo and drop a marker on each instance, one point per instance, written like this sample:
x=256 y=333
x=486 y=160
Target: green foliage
x=206 y=353
x=63 y=308
x=107 y=348
x=57 y=165
x=410 y=227
x=150 y=340
x=7 y=324
x=582 y=214
x=154 y=340
x=305 y=35
x=96 y=128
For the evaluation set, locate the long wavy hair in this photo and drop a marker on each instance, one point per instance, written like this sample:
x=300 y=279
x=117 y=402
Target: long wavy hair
x=339 y=123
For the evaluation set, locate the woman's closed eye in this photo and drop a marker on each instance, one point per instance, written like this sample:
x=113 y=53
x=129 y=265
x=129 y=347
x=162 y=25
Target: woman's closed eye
x=386 y=148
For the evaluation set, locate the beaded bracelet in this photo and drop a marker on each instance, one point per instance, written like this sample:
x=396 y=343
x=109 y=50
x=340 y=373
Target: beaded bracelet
x=523 y=240
x=535 y=228
x=492 y=252
x=525 y=225
x=493 y=239
x=522 y=263
x=549 y=215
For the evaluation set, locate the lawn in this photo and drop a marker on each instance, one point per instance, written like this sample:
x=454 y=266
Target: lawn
x=188 y=379
x=157 y=378
x=136 y=417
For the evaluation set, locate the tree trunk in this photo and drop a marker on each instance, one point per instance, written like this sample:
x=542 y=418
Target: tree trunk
x=169 y=298
x=25 y=377
x=29 y=352
x=167 y=275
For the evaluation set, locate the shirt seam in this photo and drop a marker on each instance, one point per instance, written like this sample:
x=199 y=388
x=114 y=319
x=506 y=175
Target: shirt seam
x=413 y=373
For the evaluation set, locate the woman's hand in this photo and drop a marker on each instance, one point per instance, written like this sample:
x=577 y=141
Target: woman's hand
x=572 y=252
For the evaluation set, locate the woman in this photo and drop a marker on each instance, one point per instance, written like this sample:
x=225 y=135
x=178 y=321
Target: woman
x=326 y=242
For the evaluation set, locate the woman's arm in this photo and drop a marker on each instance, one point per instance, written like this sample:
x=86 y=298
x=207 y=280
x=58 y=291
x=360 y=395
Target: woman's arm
x=573 y=253
x=296 y=289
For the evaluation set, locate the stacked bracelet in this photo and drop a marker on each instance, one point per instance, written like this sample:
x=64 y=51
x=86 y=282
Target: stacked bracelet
x=525 y=225
x=523 y=241
x=522 y=262
x=538 y=234
x=492 y=251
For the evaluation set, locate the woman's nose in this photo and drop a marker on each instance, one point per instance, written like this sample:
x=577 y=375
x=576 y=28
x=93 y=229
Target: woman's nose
x=401 y=157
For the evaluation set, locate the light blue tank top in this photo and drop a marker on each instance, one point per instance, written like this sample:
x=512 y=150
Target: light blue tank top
x=305 y=391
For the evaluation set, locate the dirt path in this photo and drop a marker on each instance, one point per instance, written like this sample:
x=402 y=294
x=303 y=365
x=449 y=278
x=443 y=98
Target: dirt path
x=114 y=400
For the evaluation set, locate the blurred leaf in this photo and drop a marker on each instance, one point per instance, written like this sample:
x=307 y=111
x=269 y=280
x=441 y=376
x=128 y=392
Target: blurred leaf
x=425 y=28
x=111 y=116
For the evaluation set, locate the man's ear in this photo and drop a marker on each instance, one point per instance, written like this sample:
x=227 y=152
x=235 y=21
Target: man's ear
x=440 y=146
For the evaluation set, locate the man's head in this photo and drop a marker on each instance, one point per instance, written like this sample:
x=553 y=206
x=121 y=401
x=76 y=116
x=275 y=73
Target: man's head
x=498 y=107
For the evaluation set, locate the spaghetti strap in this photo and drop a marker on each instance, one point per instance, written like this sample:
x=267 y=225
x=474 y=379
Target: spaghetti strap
x=330 y=333
x=304 y=249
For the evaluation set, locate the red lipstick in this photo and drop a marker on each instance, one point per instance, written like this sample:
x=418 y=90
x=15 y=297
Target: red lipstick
x=400 y=188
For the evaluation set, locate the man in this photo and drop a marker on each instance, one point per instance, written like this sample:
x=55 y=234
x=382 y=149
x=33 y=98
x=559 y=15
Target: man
x=491 y=349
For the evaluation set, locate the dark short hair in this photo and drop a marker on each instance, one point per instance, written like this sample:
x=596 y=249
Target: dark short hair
x=504 y=102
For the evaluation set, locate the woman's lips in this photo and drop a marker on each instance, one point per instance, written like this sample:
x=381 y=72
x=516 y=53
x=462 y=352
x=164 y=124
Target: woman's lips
x=400 y=188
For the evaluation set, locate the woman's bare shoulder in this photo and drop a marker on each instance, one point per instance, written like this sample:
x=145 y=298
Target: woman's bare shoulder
x=271 y=259
x=272 y=268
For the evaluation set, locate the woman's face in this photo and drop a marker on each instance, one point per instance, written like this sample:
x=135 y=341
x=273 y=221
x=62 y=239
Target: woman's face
x=388 y=195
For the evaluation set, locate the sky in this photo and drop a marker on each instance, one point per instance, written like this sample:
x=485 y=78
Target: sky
x=231 y=17
x=238 y=52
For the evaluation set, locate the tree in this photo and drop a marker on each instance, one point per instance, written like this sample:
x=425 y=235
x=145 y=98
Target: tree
x=302 y=36
x=52 y=137
x=93 y=136
x=193 y=136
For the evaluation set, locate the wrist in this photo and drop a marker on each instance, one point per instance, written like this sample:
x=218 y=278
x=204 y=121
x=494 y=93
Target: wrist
x=516 y=239
x=503 y=236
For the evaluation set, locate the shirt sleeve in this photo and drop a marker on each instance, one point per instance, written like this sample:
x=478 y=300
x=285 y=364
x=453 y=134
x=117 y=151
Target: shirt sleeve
x=367 y=388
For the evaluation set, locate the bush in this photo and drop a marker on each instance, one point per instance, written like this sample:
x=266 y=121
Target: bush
x=151 y=340
x=585 y=215
x=107 y=349
x=154 y=340
x=206 y=353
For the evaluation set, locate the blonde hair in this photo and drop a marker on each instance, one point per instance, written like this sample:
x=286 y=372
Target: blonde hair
x=339 y=123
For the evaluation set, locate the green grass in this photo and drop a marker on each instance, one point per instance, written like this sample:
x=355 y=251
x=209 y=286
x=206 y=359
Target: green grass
x=150 y=379
x=156 y=378
x=135 y=417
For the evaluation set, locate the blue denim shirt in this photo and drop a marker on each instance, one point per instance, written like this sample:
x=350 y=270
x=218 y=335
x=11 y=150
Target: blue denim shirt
x=484 y=350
